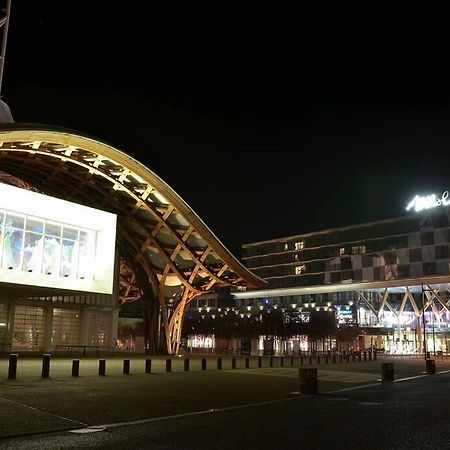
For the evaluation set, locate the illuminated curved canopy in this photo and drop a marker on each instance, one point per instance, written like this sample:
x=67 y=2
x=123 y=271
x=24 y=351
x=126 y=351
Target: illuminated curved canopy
x=158 y=233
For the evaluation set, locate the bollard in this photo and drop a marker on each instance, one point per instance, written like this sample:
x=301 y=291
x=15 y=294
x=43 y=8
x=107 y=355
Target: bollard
x=75 y=367
x=365 y=355
x=370 y=355
x=334 y=358
x=318 y=359
x=203 y=363
x=347 y=357
x=247 y=363
x=126 y=367
x=168 y=365
x=12 y=369
x=359 y=356
x=271 y=361
x=353 y=357
x=301 y=360
x=387 y=372
x=259 y=361
x=326 y=359
x=308 y=381
x=375 y=355
x=233 y=362
x=46 y=365
x=102 y=367
x=148 y=366
x=292 y=360
x=219 y=363
x=310 y=360
x=340 y=357
x=431 y=366
x=186 y=364
x=282 y=361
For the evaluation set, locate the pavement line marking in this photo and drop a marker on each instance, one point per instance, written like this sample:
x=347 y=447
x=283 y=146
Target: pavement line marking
x=178 y=416
x=42 y=411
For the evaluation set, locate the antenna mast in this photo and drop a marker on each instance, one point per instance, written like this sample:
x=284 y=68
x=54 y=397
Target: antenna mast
x=4 y=24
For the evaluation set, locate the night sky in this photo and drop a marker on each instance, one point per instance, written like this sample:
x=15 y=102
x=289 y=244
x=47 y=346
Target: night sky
x=265 y=134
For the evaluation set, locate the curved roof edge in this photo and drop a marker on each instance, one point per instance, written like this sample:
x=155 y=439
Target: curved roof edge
x=31 y=131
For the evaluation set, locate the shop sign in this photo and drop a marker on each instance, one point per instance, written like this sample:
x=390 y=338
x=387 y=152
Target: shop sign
x=420 y=202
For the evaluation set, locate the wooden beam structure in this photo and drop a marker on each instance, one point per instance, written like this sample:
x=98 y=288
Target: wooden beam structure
x=158 y=233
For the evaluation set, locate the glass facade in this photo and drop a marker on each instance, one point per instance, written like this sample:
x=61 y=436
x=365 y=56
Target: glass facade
x=29 y=328
x=37 y=245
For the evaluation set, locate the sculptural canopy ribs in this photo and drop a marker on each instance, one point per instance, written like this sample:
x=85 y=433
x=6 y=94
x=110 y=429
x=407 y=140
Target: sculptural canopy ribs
x=174 y=255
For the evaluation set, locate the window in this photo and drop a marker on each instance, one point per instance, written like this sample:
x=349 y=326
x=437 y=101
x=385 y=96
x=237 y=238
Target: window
x=427 y=238
x=358 y=249
x=299 y=245
x=299 y=269
x=415 y=255
x=442 y=252
x=37 y=245
x=286 y=247
x=342 y=251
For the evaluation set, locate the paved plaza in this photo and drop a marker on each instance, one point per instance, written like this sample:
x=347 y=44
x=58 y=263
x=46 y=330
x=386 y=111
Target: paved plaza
x=31 y=406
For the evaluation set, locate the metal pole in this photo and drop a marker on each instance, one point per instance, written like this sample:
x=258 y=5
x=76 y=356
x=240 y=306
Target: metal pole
x=5 y=23
x=424 y=326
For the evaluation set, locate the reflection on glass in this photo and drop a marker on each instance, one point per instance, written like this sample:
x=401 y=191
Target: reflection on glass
x=14 y=221
x=53 y=229
x=35 y=225
x=82 y=261
x=12 y=247
x=32 y=252
x=51 y=255
x=70 y=233
x=68 y=259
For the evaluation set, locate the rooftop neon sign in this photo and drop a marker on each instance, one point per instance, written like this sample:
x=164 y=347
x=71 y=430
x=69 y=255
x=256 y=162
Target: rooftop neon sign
x=420 y=203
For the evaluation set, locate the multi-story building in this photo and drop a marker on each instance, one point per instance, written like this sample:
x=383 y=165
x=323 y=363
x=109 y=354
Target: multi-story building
x=386 y=285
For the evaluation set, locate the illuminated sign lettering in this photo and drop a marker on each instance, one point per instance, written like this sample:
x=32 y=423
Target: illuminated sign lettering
x=420 y=203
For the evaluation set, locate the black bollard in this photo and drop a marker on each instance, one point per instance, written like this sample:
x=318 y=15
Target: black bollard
x=102 y=367
x=431 y=366
x=186 y=364
x=318 y=359
x=247 y=363
x=233 y=362
x=203 y=363
x=308 y=381
x=126 y=367
x=46 y=365
x=259 y=361
x=370 y=355
x=353 y=357
x=326 y=359
x=148 y=366
x=292 y=360
x=75 y=367
x=334 y=358
x=375 y=355
x=301 y=360
x=347 y=357
x=359 y=356
x=12 y=369
x=387 y=372
x=271 y=361
x=365 y=355
x=340 y=358
x=310 y=360
x=168 y=365
x=219 y=363
x=282 y=361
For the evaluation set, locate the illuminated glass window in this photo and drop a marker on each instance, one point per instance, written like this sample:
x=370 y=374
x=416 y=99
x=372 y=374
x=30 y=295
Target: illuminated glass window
x=37 y=245
x=299 y=245
x=342 y=251
x=299 y=269
x=286 y=247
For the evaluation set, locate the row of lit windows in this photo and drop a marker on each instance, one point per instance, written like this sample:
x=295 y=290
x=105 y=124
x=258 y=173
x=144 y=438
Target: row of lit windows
x=37 y=245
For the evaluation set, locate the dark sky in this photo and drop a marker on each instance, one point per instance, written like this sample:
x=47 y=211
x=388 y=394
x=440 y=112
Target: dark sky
x=264 y=131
